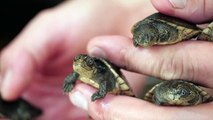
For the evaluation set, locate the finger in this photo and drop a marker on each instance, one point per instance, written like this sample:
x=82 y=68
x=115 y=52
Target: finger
x=30 y=51
x=128 y=108
x=187 y=60
x=191 y=10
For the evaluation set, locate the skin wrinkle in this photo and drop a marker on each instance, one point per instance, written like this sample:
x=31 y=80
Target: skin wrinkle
x=192 y=70
x=185 y=70
x=173 y=66
x=126 y=54
x=153 y=65
x=159 y=65
x=182 y=68
x=166 y=66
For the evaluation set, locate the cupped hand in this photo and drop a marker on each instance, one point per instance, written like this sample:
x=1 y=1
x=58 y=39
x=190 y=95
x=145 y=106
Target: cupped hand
x=188 y=60
x=36 y=62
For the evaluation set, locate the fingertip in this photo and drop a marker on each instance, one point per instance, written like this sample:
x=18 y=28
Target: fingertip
x=5 y=85
x=79 y=100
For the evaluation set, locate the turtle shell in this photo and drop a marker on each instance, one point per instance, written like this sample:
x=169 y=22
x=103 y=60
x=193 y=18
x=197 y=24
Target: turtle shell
x=160 y=29
x=177 y=92
x=100 y=74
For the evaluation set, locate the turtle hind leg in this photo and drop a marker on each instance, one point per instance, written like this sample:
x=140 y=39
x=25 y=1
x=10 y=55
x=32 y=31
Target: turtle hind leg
x=70 y=81
x=101 y=92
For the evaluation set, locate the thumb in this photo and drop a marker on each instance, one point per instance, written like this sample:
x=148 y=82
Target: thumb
x=192 y=10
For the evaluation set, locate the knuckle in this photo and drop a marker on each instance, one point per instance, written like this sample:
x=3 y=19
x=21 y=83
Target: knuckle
x=177 y=66
x=170 y=68
x=45 y=13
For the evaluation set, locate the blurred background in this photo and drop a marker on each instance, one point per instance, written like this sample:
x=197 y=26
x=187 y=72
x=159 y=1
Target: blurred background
x=15 y=14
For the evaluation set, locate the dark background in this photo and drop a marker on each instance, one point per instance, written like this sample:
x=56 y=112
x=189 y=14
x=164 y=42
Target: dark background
x=15 y=14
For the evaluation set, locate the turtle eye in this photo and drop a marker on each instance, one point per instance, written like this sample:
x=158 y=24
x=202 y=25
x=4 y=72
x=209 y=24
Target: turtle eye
x=89 y=62
x=184 y=93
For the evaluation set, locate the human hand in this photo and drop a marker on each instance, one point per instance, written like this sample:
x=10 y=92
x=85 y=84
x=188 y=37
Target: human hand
x=188 y=60
x=40 y=57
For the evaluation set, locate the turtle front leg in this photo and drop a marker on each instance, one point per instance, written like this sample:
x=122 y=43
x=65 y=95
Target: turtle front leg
x=101 y=92
x=69 y=81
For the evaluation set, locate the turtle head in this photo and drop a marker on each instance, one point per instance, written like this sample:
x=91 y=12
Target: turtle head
x=185 y=94
x=84 y=65
x=179 y=93
x=144 y=35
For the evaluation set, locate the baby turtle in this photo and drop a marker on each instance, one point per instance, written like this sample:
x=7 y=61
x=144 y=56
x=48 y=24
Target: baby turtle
x=98 y=73
x=160 y=29
x=177 y=92
x=18 y=110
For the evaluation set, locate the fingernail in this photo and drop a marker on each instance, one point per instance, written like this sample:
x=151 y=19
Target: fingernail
x=96 y=51
x=79 y=100
x=6 y=81
x=178 y=4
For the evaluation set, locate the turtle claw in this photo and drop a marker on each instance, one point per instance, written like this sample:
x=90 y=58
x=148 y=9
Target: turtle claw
x=67 y=87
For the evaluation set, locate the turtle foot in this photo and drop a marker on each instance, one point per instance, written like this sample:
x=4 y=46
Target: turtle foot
x=96 y=96
x=67 y=87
